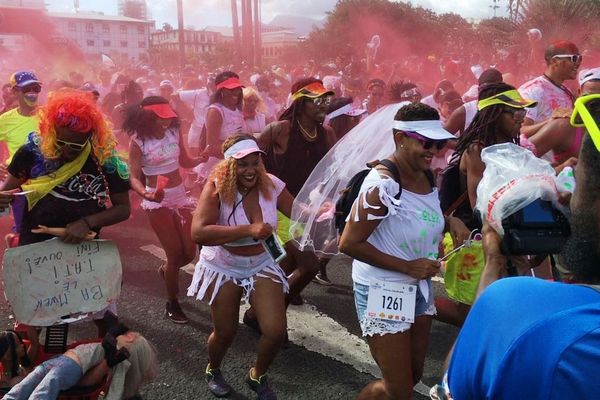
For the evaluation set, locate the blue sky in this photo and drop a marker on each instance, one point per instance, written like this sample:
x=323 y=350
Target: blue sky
x=200 y=13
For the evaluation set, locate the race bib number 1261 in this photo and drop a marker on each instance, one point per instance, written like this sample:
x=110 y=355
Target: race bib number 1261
x=392 y=301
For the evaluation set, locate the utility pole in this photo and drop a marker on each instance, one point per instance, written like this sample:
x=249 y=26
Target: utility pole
x=247 y=40
x=181 y=34
x=495 y=6
x=257 y=34
x=236 y=30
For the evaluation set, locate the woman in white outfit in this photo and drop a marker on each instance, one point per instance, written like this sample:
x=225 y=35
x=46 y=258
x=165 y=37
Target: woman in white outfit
x=223 y=119
x=394 y=242
x=236 y=210
x=157 y=152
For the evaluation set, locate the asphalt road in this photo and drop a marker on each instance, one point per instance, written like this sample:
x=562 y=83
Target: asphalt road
x=326 y=359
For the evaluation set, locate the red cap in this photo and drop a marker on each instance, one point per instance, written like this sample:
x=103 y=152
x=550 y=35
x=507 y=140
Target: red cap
x=230 y=83
x=161 y=110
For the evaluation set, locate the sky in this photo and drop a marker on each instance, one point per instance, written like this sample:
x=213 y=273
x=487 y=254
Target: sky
x=202 y=13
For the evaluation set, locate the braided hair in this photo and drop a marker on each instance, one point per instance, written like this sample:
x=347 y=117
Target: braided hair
x=484 y=127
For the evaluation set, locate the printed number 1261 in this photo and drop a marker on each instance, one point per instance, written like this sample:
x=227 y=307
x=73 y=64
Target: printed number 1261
x=391 y=303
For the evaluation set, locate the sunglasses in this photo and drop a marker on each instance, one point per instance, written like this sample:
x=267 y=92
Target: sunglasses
x=414 y=92
x=515 y=112
x=32 y=88
x=582 y=117
x=71 y=145
x=574 y=58
x=322 y=101
x=426 y=142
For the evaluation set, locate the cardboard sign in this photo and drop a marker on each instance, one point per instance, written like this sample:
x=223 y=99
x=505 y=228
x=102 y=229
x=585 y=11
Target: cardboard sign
x=53 y=282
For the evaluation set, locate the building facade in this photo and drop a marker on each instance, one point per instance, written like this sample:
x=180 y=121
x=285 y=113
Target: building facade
x=120 y=37
x=37 y=4
x=275 y=44
x=136 y=9
x=197 y=43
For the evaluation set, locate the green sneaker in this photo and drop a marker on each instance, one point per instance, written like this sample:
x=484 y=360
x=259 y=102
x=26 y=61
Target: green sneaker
x=261 y=387
x=216 y=383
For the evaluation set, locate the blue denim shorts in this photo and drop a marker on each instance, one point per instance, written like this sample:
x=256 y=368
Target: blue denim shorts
x=376 y=326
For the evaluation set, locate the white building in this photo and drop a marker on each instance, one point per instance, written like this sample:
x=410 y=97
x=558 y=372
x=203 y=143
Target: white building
x=275 y=43
x=196 y=42
x=96 y=33
x=39 y=4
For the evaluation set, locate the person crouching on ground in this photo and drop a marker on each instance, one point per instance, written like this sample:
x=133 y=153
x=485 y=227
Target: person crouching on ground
x=129 y=359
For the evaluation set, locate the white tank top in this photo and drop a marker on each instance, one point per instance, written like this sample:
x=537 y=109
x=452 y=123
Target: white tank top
x=470 y=111
x=233 y=121
x=228 y=216
x=159 y=156
x=412 y=228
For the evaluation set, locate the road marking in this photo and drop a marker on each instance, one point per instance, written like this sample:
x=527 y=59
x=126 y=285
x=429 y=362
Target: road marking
x=319 y=333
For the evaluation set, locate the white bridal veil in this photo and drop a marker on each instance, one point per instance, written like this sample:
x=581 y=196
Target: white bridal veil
x=314 y=207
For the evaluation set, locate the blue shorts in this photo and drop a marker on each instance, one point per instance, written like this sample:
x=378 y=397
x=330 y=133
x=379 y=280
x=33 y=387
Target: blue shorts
x=377 y=326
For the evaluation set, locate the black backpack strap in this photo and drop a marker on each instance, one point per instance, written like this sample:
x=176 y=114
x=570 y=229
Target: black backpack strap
x=395 y=173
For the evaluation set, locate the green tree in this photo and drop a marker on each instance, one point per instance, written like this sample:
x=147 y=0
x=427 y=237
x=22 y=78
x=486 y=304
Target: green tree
x=403 y=28
x=575 y=20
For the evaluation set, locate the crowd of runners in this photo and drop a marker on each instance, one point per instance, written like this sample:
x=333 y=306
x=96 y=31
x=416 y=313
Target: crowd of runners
x=228 y=165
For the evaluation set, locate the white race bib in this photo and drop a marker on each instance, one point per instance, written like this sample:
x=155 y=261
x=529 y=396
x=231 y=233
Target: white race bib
x=392 y=301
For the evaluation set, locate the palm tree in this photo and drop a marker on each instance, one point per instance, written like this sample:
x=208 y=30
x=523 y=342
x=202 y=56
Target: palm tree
x=575 y=20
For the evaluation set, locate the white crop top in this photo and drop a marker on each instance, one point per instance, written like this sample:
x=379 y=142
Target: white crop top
x=238 y=217
x=159 y=156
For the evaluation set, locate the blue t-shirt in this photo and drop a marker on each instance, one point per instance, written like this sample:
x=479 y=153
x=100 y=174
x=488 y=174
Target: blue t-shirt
x=526 y=338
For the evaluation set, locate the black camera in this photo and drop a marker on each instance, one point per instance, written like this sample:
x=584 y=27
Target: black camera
x=538 y=228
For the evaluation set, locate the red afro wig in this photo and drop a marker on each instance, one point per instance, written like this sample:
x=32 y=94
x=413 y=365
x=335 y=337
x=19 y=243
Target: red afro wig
x=77 y=111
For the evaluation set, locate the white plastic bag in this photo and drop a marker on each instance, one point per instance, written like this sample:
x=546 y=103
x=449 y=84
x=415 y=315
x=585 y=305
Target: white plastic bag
x=514 y=178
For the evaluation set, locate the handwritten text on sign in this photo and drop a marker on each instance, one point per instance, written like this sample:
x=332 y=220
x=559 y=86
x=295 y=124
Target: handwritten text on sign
x=49 y=280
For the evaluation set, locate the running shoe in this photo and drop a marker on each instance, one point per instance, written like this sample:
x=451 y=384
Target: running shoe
x=174 y=312
x=261 y=387
x=322 y=280
x=216 y=383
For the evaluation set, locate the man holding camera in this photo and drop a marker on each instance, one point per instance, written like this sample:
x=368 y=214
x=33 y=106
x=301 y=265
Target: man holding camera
x=527 y=338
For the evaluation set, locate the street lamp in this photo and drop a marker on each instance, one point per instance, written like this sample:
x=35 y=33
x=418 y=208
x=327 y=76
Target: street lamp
x=181 y=34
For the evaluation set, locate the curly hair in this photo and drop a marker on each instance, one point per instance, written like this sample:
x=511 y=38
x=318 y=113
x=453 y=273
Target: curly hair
x=251 y=92
x=225 y=174
x=77 y=111
x=416 y=112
